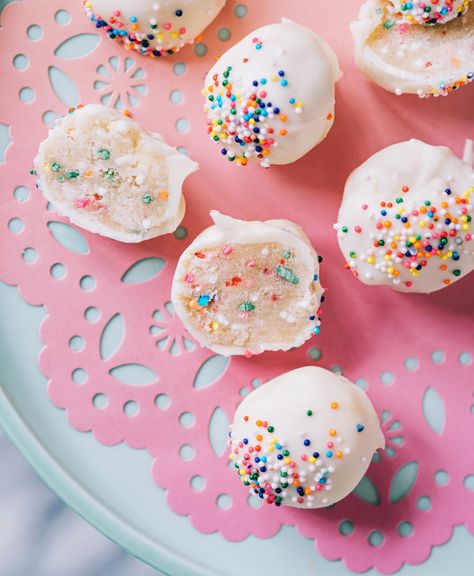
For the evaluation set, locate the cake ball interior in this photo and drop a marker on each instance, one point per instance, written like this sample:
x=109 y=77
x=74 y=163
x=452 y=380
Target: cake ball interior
x=250 y=294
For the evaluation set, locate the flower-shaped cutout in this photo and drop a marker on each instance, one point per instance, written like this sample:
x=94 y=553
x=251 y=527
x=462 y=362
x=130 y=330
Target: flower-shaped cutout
x=169 y=332
x=120 y=82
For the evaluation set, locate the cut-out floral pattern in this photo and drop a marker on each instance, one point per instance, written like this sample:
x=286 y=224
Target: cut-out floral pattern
x=120 y=82
x=169 y=334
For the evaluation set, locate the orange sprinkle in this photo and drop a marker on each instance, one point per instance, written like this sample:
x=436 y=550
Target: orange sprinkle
x=329 y=116
x=334 y=405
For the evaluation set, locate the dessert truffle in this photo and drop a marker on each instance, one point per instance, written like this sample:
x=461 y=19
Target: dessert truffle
x=109 y=175
x=304 y=439
x=270 y=98
x=406 y=218
x=246 y=287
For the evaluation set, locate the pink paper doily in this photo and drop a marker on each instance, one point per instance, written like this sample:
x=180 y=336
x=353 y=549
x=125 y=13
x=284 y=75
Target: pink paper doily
x=413 y=353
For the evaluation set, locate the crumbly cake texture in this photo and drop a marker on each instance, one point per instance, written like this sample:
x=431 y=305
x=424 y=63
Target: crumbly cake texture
x=304 y=439
x=429 y=12
x=270 y=98
x=246 y=287
x=427 y=60
x=153 y=27
x=109 y=175
x=406 y=218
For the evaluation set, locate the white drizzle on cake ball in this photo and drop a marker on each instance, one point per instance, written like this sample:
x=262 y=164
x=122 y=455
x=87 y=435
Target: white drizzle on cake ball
x=406 y=218
x=109 y=175
x=421 y=48
x=304 y=439
x=270 y=98
x=153 y=27
x=245 y=287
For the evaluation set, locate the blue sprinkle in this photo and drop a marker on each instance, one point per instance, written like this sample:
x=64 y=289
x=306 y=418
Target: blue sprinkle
x=204 y=300
x=360 y=427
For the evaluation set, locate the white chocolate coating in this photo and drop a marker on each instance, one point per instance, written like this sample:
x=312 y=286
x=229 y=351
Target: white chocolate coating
x=295 y=72
x=245 y=287
x=328 y=427
x=405 y=59
x=153 y=27
x=406 y=218
x=429 y=12
x=109 y=175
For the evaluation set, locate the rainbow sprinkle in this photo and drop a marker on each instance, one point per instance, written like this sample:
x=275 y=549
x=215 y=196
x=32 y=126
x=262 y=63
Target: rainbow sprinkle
x=414 y=238
x=245 y=120
x=273 y=473
x=147 y=38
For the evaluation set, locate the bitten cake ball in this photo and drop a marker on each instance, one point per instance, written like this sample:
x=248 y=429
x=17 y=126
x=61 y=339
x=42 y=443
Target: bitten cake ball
x=109 y=175
x=421 y=48
x=406 y=218
x=304 y=439
x=153 y=27
x=246 y=287
x=270 y=98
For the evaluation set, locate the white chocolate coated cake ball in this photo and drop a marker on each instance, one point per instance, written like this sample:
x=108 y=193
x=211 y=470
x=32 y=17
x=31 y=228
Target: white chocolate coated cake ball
x=109 y=175
x=153 y=27
x=406 y=55
x=270 y=98
x=406 y=218
x=304 y=439
x=245 y=287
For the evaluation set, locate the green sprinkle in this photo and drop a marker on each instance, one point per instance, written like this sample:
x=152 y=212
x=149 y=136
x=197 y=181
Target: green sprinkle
x=286 y=453
x=271 y=429
x=147 y=198
x=60 y=178
x=283 y=474
x=72 y=175
x=352 y=254
x=110 y=173
x=388 y=24
x=399 y=200
x=344 y=229
x=55 y=167
x=457 y=272
x=309 y=412
x=287 y=274
x=211 y=98
x=33 y=171
x=103 y=153
x=246 y=307
x=287 y=254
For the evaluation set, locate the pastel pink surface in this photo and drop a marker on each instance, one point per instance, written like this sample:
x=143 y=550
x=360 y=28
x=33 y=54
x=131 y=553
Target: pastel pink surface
x=366 y=330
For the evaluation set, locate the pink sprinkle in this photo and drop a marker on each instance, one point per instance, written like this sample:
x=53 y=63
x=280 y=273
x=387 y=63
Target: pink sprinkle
x=248 y=354
x=81 y=202
x=330 y=444
x=358 y=229
x=251 y=264
x=468 y=237
x=167 y=26
x=408 y=284
x=364 y=206
x=379 y=226
x=182 y=30
x=189 y=278
x=117 y=12
x=227 y=250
